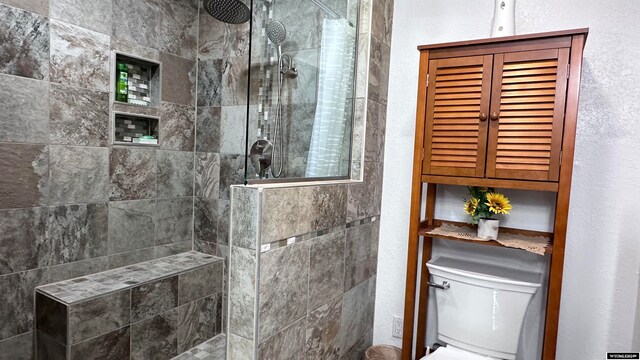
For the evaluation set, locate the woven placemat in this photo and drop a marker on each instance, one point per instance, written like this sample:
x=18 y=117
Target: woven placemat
x=534 y=244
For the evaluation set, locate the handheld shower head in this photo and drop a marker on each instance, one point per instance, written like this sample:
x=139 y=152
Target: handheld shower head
x=228 y=11
x=277 y=33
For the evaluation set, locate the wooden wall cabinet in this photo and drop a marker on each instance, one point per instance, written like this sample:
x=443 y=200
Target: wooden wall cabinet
x=502 y=113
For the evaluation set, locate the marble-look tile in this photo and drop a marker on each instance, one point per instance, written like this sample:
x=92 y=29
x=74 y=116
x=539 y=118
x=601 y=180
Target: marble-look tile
x=382 y=20
x=18 y=347
x=79 y=57
x=205 y=247
x=325 y=209
x=179 y=80
x=287 y=344
x=77 y=232
x=197 y=322
x=364 y=199
x=329 y=206
x=284 y=292
x=303 y=88
x=201 y=282
x=179 y=31
x=205 y=219
x=362 y=65
x=20 y=123
x=218 y=40
x=379 y=71
x=99 y=316
x=208 y=129
x=173 y=220
x=240 y=348
x=161 y=251
x=78 y=174
x=17 y=299
x=76 y=269
x=154 y=298
x=304 y=25
x=155 y=338
x=231 y=173
x=78 y=116
x=131 y=257
x=177 y=125
x=242 y=295
x=112 y=345
x=132 y=173
x=232 y=129
x=284 y=204
x=375 y=134
x=245 y=203
x=302 y=118
x=49 y=349
x=364 y=19
x=213 y=349
x=40 y=7
x=23 y=239
x=210 y=82
x=175 y=173
x=24 y=175
x=132 y=48
x=357 y=137
x=93 y=14
x=137 y=21
x=25 y=42
x=131 y=225
x=234 y=81
x=361 y=254
x=357 y=318
x=323 y=331
x=51 y=318
x=326 y=271
x=224 y=222
x=207 y=175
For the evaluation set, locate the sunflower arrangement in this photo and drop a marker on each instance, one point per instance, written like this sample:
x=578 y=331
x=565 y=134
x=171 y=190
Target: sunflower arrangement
x=484 y=203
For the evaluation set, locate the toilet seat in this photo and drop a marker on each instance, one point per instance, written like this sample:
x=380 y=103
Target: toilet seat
x=452 y=353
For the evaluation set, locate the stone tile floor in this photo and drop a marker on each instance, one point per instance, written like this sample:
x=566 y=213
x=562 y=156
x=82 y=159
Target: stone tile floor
x=99 y=284
x=214 y=349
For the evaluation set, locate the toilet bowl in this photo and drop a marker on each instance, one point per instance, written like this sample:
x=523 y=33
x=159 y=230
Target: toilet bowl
x=480 y=309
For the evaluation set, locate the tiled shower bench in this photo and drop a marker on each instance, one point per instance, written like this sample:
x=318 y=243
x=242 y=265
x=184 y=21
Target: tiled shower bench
x=151 y=310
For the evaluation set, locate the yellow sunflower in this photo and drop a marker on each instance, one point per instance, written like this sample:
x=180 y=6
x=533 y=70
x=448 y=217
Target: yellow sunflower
x=471 y=205
x=498 y=203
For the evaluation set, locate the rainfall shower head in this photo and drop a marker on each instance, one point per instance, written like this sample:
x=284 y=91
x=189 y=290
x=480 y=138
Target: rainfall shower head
x=228 y=11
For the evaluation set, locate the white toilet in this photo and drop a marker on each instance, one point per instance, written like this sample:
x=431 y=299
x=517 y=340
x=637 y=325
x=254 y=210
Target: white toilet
x=480 y=308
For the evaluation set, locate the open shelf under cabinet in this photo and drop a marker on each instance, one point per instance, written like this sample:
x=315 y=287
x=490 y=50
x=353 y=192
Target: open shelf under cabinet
x=425 y=228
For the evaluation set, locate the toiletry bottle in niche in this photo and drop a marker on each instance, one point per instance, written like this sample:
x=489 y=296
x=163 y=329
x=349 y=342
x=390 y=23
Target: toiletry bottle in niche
x=122 y=85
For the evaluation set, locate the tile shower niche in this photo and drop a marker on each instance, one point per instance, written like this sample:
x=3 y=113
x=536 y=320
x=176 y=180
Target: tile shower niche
x=136 y=85
x=132 y=129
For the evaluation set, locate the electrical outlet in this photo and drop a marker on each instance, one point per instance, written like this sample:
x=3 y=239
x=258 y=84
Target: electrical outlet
x=396 y=330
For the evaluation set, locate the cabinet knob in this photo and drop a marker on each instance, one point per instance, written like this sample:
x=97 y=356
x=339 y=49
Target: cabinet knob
x=494 y=115
x=483 y=116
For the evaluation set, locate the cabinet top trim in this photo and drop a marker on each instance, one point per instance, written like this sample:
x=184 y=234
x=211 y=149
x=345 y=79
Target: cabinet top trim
x=505 y=39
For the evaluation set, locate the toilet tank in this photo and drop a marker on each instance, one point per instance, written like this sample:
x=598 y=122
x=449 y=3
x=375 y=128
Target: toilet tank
x=483 y=309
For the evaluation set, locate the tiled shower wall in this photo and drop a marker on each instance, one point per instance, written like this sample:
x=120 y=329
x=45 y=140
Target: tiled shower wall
x=304 y=258
x=71 y=203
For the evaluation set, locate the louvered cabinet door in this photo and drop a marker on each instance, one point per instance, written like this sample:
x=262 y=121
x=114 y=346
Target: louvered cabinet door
x=527 y=115
x=457 y=108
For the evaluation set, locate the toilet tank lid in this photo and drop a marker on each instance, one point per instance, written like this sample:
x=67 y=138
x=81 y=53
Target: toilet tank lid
x=485 y=271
